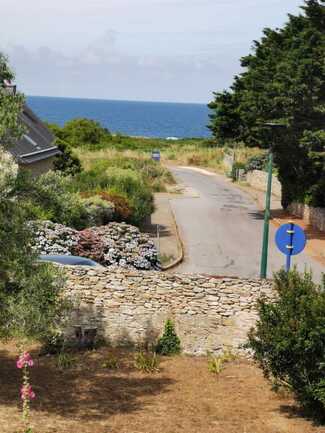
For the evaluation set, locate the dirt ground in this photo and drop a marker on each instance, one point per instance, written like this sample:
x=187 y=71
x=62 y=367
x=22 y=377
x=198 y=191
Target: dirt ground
x=182 y=398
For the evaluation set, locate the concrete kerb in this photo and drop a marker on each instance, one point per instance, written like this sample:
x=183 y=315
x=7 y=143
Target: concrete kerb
x=180 y=258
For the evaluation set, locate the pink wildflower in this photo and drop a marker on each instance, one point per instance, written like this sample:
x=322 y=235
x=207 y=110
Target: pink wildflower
x=27 y=393
x=25 y=360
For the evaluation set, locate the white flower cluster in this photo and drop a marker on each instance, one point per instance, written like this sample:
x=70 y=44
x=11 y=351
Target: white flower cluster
x=52 y=238
x=123 y=245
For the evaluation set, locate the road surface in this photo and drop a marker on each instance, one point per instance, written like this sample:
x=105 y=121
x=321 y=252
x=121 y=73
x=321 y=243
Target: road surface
x=222 y=228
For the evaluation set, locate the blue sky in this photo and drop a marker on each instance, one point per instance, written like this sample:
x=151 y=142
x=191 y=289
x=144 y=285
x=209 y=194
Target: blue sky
x=158 y=50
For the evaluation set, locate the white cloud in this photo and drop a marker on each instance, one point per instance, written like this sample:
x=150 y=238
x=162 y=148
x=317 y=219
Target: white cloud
x=133 y=49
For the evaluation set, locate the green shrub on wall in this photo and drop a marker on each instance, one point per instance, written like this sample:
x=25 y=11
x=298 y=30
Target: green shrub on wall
x=289 y=338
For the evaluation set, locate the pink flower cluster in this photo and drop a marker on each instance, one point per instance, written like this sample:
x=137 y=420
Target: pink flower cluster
x=25 y=360
x=27 y=393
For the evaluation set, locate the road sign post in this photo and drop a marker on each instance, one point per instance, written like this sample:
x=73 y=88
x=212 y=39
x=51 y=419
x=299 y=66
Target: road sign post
x=266 y=229
x=290 y=240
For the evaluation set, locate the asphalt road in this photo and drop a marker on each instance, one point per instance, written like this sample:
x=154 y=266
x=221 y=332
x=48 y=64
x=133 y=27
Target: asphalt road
x=221 y=228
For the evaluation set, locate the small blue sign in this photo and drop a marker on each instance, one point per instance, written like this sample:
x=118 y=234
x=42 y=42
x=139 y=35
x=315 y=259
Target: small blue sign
x=155 y=155
x=291 y=240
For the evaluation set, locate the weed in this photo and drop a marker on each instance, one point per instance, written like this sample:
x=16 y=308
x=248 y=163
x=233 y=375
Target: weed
x=147 y=362
x=216 y=363
x=65 y=360
x=111 y=363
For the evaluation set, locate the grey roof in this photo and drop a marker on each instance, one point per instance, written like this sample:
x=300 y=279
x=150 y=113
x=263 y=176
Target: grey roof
x=37 y=142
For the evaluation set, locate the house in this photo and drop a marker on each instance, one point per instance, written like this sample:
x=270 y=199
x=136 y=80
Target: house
x=35 y=150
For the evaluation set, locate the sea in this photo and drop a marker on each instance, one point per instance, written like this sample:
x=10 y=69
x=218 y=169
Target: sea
x=141 y=119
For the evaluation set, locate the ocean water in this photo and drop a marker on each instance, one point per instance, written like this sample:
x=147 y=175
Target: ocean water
x=147 y=119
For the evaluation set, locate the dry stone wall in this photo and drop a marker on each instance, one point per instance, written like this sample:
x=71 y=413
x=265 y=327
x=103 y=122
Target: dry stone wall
x=314 y=216
x=258 y=179
x=130 y=307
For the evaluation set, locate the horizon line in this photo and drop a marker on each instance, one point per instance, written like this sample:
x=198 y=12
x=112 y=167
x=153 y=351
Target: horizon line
x=116 y=100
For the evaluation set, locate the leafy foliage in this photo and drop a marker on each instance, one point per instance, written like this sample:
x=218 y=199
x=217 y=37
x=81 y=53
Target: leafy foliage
x=235 y=169
x=49 y=197
x=81 y=132
x=125 y=182
x=216 y=363
x=99 y=211
x=147 y=362
x=10 y=107
x=258 y=162
x=289 y=338
x=30 y=300
x=90 y=245
x=283 y=83
x=67 y=162
x=169 y=343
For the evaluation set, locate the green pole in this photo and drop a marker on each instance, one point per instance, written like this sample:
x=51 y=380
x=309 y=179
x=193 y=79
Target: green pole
x=265 y=246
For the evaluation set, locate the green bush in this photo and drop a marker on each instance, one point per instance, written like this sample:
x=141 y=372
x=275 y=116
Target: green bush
x=99 y=211
x=67 y=163
x=30 y=301
x=169 y=343
x=289 y=338
x=48 y=196
x=125 y=182
x=258 y=162
x=79 y=132
x=234 y=171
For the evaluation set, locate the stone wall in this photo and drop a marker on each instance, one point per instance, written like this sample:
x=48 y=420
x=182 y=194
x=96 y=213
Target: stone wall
x=258 y=179
x=130 y=307
x=314 y=216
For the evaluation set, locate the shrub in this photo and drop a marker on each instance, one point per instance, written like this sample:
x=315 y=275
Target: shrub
x=147 y=362
x=30 y=301
x=169 y=343
x=289 y=338
x=123 y=182
x=67 y=163
x=79 y=132
x=99 y=212
x=90 y=245
x=257 y=162
x=122 y=210
x=49 y=197
x=234 y=171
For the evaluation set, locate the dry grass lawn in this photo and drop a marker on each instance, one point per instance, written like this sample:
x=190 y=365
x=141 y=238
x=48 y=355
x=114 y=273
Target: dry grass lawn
x=182 y=398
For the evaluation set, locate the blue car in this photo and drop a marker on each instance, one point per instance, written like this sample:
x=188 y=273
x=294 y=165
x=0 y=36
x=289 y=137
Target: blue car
x=68 y=260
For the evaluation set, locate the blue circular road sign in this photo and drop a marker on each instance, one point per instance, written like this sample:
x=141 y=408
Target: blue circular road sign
x=290 y=239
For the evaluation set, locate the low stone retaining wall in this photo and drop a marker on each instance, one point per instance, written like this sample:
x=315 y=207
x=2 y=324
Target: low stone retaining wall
x=130 y=307
x=258 y=179
x=315 y=216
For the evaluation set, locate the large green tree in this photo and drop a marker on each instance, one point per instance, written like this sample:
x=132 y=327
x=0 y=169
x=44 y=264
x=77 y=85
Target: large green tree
x=30 y=302
x=283 y=82
x=10 y=106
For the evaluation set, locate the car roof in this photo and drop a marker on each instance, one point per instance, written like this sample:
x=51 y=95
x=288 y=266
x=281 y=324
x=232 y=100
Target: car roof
x=68 y=260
